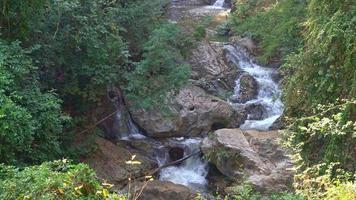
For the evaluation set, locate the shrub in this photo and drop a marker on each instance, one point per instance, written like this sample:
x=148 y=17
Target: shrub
x=324 y=69
x=53 y=180
x=31 y=121
x=275 y=24
x=161 y=71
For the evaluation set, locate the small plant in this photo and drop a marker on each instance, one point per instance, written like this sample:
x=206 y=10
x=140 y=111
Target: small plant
x=199 y=32
x=223 y=29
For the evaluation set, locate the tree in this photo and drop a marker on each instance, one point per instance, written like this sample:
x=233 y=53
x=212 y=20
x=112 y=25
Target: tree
x=161 y=71
x=31 y=120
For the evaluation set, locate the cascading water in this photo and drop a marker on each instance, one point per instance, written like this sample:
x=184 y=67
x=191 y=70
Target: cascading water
x=219 y=3
x=269 y=94
x=191 y=172
x=133 y=131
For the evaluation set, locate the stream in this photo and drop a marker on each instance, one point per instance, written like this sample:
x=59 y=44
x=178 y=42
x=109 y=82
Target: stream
x=193 y=171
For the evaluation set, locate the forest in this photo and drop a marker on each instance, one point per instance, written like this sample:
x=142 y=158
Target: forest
x=78 y=76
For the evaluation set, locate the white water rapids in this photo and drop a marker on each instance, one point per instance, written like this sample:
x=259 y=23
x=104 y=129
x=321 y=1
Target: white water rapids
x=192 y=172
x=269 y=93
x=219 y=3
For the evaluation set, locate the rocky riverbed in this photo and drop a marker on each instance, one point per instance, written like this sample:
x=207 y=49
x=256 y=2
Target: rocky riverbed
x=222 y=117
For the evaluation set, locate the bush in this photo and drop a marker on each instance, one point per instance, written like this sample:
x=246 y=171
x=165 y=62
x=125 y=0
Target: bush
x=161 y=71
x=31 y=121
x=51 y=181
x=324 y=69
x=325 y=181
x=327 y=136
x=325 y=147
x=246 y=192
x=275 y=24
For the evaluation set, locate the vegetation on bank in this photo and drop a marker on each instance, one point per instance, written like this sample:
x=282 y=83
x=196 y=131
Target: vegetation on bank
x=315 y=43
x=56 y=59
x=53 y=180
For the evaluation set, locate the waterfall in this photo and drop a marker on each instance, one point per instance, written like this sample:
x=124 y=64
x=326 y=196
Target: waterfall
x=192 y=172
x=123 y=126
x=269 y=93
x=219 y=3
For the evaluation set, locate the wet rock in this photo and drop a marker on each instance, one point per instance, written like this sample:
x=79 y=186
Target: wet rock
x=276 y=76
x=175 y=153
x=210 y=70
x=118 y=125
x=246 y=43
x=193 y=113
x=163 y=190
x=256 y=111
x=248 y=89
x=277 y=125
x=148 y=146
x=253 y=155
x=109 y=162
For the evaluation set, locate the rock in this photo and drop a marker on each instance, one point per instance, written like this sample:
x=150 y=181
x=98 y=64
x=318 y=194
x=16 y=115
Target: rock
x=147 y=146
x=210 y=70
x=164 y=190
x=118 y=125
x=256 y=111
x=248 y=89
x=109 y=162
x=253 y=155
x=217 y=181
x=175 y=153
x=276 y=76
x=194 y=113
x=278 y=124
x=246 y=43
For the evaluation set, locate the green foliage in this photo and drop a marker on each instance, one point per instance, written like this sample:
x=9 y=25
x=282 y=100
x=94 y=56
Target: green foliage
x=199 y=32
x=81 y=51
x=31 y=120
x=17 y=17
x=342 y=191
x=53 y=180
x=325 y=145
x=326 y=137
x=275 y=24
x=324 y=69
x=78 y=47
x=223 y=29
x=324 y=181
x=161 y=71
x=246 y=192
x=200 y=28
x=139 y=18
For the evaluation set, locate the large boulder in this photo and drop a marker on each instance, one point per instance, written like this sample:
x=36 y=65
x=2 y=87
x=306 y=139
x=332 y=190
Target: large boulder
x=246 y=43
x=194 y=113
x=210 y=70
x=256 y=111
x=164 y=190
x=253 y=156
x=109 y=162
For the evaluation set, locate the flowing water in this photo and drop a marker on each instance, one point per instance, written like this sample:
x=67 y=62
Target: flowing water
x=219 y=3
x=269 y=93
x=192 y=172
